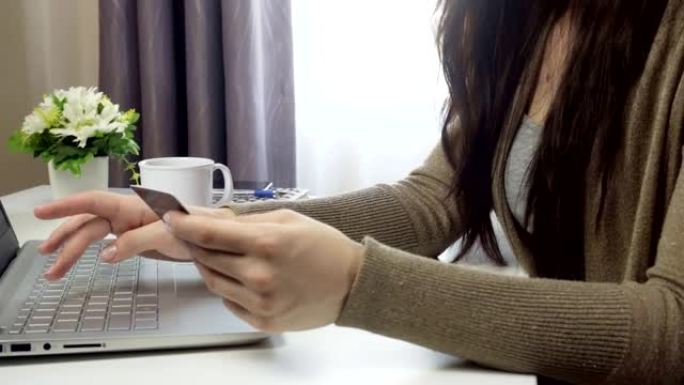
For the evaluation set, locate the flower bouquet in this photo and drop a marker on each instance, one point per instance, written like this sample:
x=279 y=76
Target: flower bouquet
x=76 y=131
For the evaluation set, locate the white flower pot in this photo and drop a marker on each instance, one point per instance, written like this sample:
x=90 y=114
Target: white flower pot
x=94 y=176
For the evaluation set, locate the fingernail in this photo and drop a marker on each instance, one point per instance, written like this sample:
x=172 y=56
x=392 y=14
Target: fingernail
x=108 y=254
x=49 y=275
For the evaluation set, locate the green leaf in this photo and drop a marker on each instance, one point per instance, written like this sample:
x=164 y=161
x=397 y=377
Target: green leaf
x=132 y=168
x=131 y=116
x=17 y=141
x=59 y=102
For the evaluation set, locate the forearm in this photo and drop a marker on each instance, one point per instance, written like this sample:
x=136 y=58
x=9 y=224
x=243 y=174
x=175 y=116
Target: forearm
x=416 y=214
x=576 y=331
x=373 y=211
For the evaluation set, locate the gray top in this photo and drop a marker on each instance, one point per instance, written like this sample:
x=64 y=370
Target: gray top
x=518 y=164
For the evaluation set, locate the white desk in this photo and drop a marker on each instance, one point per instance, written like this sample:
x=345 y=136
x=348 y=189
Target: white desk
x=331 y=355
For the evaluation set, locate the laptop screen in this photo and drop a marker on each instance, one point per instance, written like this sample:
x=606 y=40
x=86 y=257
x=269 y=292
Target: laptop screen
x=8 y=241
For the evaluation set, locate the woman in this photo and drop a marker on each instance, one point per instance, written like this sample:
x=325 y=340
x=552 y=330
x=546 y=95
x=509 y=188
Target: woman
x=566 y=118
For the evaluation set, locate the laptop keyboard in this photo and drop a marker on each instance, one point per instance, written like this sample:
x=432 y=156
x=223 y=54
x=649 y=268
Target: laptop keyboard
x=93 y=297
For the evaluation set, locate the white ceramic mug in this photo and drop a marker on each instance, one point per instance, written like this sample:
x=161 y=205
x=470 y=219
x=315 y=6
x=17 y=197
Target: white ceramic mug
x=188 y=179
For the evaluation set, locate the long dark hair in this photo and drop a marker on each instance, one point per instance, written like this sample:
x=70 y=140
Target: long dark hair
x=490 y=53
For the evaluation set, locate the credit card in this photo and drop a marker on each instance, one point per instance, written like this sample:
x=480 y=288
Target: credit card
x=159 y=201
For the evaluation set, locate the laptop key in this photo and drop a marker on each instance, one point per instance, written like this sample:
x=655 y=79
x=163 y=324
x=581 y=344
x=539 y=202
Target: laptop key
x=48 y=302
x=119 y=321
x=39 y=322
x=68 y=314
x=65 y=326
x=122 y=302
x=68 y=318
x=92 y=324
x=147 y=279
x=124 y=283
x=95 y=312
x=123 y=297
x=76 y=294
x=145 y=324
x=72 y=307
x=145 y=315
x=146 y=300
x=97 y=301
x=96 y=307
x=146 y=308
x=44 y=312
x=36 y=329
x=40 y=318
x=122 y=307
x=49 y=307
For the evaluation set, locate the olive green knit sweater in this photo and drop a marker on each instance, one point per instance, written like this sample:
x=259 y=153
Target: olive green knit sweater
x=625 y=324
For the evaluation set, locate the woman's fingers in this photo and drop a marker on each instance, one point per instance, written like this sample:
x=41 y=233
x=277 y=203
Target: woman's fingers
x=74 y=247
x=253 y=273
x=258 y=322
x=100 y=203
x=63 y=232
x=212 y=233
x=229 y=288
x=153 y=236
x=232 y=265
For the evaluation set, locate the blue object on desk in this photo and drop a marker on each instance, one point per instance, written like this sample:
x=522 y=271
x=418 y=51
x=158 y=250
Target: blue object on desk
x=264 y=194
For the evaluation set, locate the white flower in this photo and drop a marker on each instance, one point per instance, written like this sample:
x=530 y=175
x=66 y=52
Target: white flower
x=81 y=118
x=111 y=118
x=79 y=112
x=33 y=124
x=46 y=115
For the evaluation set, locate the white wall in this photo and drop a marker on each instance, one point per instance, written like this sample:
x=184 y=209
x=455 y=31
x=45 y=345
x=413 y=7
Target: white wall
x=45 y=44
x=368 y=91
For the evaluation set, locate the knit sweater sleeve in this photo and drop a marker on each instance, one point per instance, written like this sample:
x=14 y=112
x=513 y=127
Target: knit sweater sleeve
x=574 y=331
x=414 y=215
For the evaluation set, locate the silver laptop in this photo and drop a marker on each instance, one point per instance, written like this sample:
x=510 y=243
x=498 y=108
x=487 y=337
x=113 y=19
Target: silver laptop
x=139 y=304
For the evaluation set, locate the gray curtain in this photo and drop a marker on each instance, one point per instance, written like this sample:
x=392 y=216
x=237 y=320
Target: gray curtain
x=211 y=78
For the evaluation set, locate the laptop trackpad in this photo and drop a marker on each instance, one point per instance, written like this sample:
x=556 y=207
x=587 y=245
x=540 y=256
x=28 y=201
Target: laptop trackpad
x=196 y=308
x=187 y=281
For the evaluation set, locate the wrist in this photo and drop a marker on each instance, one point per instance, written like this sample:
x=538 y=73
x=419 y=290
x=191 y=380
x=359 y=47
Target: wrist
x=221 y=212
x=358 y=253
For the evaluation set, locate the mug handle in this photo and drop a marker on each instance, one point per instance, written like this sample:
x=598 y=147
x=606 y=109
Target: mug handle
x=227 y=184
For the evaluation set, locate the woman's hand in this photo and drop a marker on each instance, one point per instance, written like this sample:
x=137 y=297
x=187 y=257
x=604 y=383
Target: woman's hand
x=277 y=271
x=96 y=214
